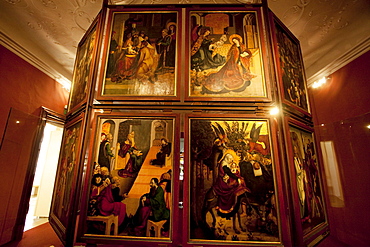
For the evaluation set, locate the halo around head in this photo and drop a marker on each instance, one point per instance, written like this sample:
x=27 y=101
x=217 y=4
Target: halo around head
x=171 y=24
x=233 y=36
x=231 y=152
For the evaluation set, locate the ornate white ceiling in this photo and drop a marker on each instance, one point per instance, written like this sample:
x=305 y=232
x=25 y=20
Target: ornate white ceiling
x=46 y=32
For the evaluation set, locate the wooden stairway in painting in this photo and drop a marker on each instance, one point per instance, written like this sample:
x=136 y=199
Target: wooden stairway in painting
x=147 y=171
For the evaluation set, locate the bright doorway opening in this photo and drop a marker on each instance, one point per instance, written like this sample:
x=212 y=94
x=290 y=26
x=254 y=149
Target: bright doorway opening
x=43 y=183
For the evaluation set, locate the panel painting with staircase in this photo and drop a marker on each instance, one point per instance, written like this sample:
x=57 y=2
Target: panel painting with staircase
x=130 y=191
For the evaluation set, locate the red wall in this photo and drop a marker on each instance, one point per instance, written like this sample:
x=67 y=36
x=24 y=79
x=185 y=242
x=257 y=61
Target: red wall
x=341 y=112
x=26 y=88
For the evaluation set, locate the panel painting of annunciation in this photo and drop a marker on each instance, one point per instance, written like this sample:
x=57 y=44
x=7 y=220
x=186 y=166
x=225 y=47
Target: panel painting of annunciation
x=141 y=58
x=226 y=55
x=130 y=185
x=232 y=190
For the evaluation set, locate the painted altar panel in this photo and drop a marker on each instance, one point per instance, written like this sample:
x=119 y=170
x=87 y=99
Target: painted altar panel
x=289 y=66
x=307 y=183
x=84 y=67
x=142 y=54
x=63 y=206
x=131 y=179
x=232 y=193
x=226 y=52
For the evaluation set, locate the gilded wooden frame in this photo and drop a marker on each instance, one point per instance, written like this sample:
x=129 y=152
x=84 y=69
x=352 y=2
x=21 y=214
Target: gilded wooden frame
x=84 y=68
x=211 y=140
x=135 y=141
x=307 y=183
x=141 y=54
x=63 y=207
x=289 y=66
x=226 y=55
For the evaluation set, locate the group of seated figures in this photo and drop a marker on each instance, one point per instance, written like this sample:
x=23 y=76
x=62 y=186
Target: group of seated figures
x=106 y=199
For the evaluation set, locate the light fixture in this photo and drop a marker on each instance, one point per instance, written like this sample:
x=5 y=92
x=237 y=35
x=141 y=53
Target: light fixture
x=66 y=84
x=320 y=82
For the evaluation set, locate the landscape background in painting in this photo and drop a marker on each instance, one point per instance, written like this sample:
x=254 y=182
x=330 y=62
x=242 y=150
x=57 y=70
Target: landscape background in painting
x=245 y=196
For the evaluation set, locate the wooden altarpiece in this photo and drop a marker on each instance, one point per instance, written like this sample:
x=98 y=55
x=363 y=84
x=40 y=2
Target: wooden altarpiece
x=169 y=139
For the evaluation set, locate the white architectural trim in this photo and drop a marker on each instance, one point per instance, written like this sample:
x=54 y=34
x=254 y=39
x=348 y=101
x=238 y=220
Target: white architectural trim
x=33 y=60
x=360 y=49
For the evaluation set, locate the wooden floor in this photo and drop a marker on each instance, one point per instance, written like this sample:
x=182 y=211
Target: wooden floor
x=44 y=236
x=31 y=220
x=40 y=236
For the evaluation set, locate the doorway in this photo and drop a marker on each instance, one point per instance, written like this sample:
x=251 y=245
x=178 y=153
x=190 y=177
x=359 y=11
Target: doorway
x=43 y=183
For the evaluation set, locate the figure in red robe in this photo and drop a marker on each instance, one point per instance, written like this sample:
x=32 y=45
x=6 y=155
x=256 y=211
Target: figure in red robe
x=235 y=75
x=107 y=206
x=229 y=186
